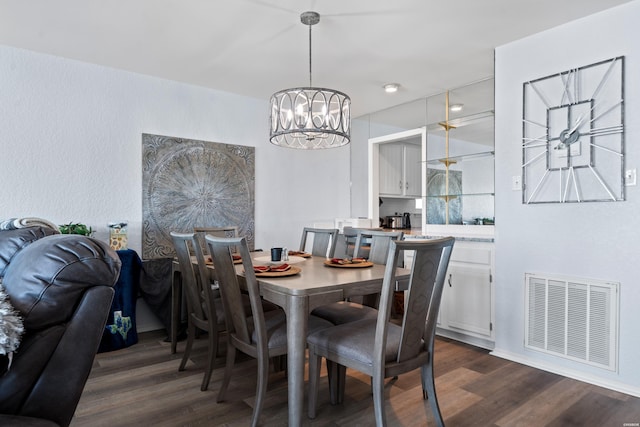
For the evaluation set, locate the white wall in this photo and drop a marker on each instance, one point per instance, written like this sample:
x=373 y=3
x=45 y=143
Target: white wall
x=70 y=147
x=591 y=240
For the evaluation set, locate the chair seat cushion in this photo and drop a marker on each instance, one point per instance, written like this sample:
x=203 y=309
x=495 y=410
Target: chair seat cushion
x=345 y=312
x=276 y=322
x=355 y=340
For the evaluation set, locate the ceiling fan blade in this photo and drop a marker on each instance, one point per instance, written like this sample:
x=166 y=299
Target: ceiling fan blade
x=272 y=6
x=358 y=14
x=234 y=45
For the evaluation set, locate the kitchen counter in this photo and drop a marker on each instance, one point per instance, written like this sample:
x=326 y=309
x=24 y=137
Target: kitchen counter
x=460 y=233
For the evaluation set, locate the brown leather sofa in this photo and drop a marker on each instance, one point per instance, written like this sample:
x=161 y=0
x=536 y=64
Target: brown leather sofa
x=62 y=285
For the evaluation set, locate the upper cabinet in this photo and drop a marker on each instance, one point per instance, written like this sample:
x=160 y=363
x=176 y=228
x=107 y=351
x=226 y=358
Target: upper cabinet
x=400 y=170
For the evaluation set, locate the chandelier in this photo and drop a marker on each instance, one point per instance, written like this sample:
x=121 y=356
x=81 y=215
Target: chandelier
x=310 y=118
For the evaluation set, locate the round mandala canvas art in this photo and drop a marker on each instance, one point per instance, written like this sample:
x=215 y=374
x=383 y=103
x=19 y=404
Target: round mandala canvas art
x=189 y=183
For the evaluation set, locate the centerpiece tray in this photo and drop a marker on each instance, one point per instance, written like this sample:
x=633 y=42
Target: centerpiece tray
x=236 y=260
x=290 y=272
x=300 y=254
x=328 y=263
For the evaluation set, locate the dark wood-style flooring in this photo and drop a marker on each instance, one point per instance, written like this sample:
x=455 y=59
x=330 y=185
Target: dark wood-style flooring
x=141 y=386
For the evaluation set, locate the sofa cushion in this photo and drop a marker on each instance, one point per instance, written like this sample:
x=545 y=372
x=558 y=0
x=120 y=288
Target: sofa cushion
x=12 y=241
x=31 y=358
x=46 y=292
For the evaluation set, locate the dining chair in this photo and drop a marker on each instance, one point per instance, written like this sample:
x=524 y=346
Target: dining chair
x=324 y=241
x=349 y=311
x=252 y=331
x=204 y=308
x=350 y=236
x=380 y=348
x=377 y=244
x=228 y=231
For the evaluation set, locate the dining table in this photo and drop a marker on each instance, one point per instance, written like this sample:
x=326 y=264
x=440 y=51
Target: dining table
x=316 y=282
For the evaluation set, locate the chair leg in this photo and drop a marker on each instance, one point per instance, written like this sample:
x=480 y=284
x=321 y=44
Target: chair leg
x=212 y=353
x=261 y=389
x=191 y=331
x=332 y=378
x=231 y=359
x=342 y=381
x=378 y=400
x=429 y=392
x=176 y=299
x=314 y=382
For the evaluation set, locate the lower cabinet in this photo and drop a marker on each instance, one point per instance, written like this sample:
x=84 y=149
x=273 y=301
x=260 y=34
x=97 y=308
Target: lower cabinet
x=467 y=307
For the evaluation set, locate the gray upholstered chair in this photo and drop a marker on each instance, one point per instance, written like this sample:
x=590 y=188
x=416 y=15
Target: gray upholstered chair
x=324 y=241
x=256 y=333
x=380 y=348
x=348 y=311
x=204 y=307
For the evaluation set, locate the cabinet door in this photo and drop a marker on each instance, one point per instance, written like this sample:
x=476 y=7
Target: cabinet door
x=390 y=169
x=412 y=170
x=467 y=296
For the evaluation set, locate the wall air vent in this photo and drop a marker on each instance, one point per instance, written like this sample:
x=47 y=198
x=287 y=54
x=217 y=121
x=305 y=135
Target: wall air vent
x=573 y=318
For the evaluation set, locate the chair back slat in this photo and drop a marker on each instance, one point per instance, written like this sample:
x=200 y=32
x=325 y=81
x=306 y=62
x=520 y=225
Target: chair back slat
x=379 y=244
x=426 y=282
x=324 y=241
x=195 y=278
x=221 y=249
x=200 y=232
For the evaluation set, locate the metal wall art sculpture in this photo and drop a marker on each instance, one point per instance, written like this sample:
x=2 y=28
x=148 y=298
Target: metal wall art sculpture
x=189 y=183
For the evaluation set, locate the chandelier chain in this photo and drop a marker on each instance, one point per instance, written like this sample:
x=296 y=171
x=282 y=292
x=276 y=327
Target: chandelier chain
x=310 y=85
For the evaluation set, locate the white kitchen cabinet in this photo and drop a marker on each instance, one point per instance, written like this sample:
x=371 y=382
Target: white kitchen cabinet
x=412 y=170
x=467 y=306
x=400 y=170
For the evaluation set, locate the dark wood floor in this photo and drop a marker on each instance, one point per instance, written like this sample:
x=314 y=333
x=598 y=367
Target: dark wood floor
x=141 y=386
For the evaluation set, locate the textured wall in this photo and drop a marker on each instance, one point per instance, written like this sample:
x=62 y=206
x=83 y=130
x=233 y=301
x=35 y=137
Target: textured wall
x=70 y=147
x=597 y=240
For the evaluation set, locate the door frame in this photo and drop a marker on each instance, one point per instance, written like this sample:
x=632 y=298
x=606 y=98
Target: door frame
x=374 y=171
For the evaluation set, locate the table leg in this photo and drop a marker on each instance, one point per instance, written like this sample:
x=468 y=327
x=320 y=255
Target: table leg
x=176 y=308
x=297 y=325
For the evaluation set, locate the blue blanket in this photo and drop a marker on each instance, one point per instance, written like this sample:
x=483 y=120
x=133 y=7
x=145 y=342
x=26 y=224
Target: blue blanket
x=120 y=331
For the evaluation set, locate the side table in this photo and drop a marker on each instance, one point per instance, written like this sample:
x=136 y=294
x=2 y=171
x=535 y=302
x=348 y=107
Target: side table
x=120 y=331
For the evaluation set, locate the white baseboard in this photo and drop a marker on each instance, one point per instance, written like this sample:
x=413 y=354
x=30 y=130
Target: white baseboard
x=467 y=339
x=569 y=373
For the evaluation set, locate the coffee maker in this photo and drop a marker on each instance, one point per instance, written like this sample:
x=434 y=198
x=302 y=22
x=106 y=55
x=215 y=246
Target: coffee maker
x=406 y=220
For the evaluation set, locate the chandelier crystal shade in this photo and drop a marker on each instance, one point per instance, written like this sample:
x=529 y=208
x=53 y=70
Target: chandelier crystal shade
x=310 y=118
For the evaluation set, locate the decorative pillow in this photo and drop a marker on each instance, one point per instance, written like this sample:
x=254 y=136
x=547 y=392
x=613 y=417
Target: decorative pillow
x=11 y=330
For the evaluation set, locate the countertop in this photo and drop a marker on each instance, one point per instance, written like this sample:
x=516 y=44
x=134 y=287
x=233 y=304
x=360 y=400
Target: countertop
x=417 y=233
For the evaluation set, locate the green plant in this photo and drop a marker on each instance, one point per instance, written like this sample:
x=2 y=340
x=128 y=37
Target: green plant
x=76 y=228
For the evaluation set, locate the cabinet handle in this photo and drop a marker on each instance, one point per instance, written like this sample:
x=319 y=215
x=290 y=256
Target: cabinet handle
x=406 y=185
x=400 y=186
x=449 y=281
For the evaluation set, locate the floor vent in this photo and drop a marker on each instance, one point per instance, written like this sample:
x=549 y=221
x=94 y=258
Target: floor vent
x=573 y=318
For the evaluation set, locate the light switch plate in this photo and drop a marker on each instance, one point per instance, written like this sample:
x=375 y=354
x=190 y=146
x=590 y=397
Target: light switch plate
x=630 y=177
x=516 y=183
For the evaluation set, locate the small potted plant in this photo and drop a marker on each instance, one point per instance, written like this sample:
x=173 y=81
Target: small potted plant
x=76 y=228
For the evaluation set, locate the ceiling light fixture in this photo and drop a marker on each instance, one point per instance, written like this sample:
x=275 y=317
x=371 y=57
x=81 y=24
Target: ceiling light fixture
x=310 y=118
x=391 y=87
x=456 y=107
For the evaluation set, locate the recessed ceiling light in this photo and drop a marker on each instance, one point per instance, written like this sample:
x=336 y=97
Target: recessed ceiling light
x=391 y=87
x=456 y=107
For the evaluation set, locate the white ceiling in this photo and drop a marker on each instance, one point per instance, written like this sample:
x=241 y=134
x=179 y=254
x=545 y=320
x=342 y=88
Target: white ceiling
x=256 y=47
